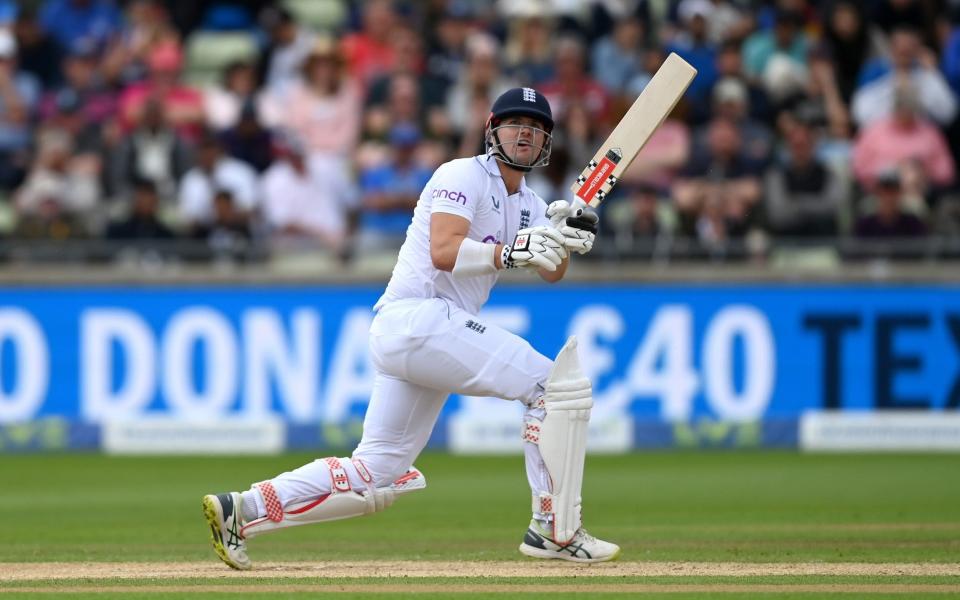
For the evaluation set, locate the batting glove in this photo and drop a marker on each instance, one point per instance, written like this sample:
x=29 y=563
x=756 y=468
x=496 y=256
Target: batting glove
x=537 y=247
x=577 y=223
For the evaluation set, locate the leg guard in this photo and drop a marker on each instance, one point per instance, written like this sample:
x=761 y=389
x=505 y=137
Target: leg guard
x=562 y=440
x=342 y=502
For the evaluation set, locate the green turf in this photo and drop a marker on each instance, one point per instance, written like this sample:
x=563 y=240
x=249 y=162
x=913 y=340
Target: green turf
x=752 y=507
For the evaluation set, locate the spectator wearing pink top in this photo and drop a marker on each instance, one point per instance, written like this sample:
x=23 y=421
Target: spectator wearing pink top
x=907 y=141
x=325 y=107
x=182 y=104
x=369 y=52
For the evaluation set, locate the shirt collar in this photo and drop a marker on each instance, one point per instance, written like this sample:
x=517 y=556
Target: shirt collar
x=490 y=165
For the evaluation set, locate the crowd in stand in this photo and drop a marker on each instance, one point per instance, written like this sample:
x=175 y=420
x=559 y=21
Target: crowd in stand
x=315 y=124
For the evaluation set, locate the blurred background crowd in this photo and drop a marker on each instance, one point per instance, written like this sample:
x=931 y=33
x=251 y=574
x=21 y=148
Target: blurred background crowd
x=237 y=131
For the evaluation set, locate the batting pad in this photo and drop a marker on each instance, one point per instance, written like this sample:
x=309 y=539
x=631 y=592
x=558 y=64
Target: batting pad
x=563 y=441
x=341 y=503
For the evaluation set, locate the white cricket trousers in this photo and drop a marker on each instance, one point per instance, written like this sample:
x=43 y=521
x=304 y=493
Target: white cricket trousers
x=423 y=351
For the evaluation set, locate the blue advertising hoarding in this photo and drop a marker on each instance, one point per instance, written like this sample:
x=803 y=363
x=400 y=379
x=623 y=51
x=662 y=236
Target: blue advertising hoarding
x=680 y=355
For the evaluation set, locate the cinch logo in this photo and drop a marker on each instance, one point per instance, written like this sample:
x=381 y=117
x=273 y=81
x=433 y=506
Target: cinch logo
x=453 y=195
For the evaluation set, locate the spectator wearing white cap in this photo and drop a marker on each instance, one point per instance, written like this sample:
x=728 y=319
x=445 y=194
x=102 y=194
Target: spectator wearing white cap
x=731 y=101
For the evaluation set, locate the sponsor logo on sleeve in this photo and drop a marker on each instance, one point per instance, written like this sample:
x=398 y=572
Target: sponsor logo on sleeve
x=452 y=195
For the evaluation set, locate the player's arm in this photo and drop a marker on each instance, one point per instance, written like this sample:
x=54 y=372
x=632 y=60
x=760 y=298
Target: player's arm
x=451 y=250
x=447 y=233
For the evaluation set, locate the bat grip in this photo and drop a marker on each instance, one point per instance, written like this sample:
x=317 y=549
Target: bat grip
x=577 y=206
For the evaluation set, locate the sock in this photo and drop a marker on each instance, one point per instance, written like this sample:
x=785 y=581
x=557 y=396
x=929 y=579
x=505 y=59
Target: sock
x=253 y=507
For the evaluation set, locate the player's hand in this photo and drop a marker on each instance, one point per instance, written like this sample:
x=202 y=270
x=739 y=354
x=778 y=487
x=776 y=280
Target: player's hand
x=537 y=247
x=577 y=223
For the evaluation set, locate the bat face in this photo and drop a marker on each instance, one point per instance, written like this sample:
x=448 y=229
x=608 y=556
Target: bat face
x=634 y=129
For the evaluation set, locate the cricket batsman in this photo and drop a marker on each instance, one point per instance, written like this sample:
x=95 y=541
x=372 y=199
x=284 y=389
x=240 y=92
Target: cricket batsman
x=475 y=218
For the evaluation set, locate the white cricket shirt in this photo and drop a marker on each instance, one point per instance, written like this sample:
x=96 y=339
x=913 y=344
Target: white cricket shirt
x=471 y=188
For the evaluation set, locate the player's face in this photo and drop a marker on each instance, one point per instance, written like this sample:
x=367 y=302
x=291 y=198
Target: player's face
x=522 y=139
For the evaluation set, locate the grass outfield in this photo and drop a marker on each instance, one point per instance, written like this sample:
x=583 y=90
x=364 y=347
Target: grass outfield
x=781 y=510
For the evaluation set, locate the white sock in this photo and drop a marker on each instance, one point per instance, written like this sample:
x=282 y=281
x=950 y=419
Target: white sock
x=253 y=507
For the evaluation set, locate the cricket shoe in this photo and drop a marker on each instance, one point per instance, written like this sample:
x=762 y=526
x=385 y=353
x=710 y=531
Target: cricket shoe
x=222 y=512
x=583 y=548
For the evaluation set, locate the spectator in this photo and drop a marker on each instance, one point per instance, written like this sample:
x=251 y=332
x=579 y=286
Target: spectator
x=480 y=83
x=802 y=196
x=907 y=141
x=182 y=104
x=850 y=42
x=573 y=85
x=143 y=223
x=127 y=56
x=19 y=92
x=786 y=39
x=325 y=107
x=287 y=48
x=889 y=219
x=154 y=151
x=911 y=61
x=409 y=59
x=368 y=52
x=730 y=66
x=693 y=44
x=248 y=140
x=307 y=197
x=59 y=191
x=448 y=46
x=39 y=54
x=228 y=234
x=223 y=102
x=73 y=21
x=69 y=118
x=616 y=59
x=633 y=220
x=82 y=80
x=730 y=101
x=389 y=192
x=529 y=48
x=214 y=172
x=717 y=192
x=403 y=108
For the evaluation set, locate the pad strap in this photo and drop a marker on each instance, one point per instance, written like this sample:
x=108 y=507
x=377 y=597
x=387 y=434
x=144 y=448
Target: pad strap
x=271 y=501
x=338 y=476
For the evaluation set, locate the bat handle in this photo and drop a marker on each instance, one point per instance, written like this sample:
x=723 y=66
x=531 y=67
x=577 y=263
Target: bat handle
x=577 y=206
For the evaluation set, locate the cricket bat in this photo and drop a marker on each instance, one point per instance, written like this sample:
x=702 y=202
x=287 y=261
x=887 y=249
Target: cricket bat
x=634 y=129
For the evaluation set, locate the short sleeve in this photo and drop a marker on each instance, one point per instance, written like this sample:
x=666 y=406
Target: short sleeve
x=454 y=189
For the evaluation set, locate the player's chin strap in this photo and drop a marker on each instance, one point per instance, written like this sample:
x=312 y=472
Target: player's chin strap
x=562 y=439
x=342 y=502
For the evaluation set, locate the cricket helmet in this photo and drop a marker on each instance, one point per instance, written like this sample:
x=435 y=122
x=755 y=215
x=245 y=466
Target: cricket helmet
x=525 y=102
